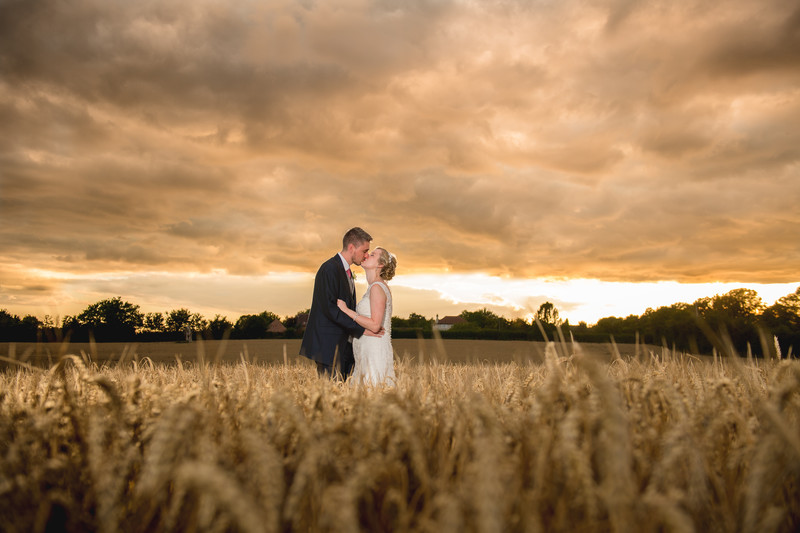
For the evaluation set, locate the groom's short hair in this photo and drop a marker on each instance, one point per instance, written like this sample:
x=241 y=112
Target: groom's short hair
x=355 y=236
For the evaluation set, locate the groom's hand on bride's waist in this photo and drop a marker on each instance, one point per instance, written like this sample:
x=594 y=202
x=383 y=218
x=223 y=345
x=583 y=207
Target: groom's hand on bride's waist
x=371 y=334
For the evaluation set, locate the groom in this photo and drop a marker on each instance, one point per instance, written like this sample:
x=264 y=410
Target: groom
x=328 y=336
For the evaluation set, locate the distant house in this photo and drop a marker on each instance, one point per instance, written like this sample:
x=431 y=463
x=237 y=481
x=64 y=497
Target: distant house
x=448 y=322
x=276 y=327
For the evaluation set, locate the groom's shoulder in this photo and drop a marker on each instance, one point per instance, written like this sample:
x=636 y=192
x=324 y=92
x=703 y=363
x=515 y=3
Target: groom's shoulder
x=330 y=263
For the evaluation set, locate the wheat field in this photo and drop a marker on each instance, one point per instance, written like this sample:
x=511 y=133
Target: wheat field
x=655 y=443
x=282 y=350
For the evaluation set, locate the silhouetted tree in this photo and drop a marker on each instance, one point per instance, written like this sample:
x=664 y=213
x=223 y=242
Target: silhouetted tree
x=738 y=303
x=784 y=313
x=154 y=322
x=485 y=319
x=179 y=319
x=676 y=326
x=548 y=314
x=733 y=317
x=414 y=321
x=72 y=329
x=219 y=326
x=112 y=319
x=253 y=326
x=782 y=319
x=294 y=321
x=622 y=329
x=16 y=329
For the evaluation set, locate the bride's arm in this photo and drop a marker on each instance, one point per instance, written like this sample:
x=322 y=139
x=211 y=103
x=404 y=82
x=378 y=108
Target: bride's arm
x=377 y=306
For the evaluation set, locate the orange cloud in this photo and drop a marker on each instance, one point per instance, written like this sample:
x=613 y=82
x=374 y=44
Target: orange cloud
x=617 y=141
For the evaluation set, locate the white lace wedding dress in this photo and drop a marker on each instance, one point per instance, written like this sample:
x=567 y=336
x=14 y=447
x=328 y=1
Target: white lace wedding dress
x=374 y=355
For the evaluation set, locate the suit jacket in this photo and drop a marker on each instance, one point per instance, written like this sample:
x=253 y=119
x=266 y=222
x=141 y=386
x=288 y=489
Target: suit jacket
x=328 y=327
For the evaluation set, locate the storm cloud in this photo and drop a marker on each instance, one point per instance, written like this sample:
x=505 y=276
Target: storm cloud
x=608 y=140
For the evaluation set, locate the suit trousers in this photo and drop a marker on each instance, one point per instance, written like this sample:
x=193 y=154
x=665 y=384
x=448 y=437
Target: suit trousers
x=323 y=370
x=340 y=369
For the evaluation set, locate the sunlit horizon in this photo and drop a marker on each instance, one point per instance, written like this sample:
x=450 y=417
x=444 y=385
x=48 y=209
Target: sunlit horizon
x=429 y=294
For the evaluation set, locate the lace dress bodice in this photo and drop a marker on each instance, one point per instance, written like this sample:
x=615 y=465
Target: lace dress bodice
x=374 y=356
x=363 y=307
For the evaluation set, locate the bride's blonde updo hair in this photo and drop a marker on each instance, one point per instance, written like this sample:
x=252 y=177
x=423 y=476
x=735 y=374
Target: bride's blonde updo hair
x=388 y=264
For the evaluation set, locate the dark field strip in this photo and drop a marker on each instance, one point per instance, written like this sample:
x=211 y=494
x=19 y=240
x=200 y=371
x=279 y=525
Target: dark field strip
x=280 y=351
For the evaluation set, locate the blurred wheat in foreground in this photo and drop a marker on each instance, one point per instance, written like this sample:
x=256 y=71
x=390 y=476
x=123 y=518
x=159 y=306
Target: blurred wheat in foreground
x=571 y=445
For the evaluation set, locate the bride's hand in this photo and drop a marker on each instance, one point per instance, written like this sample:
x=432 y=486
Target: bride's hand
x=380 y=333
x=343 y=306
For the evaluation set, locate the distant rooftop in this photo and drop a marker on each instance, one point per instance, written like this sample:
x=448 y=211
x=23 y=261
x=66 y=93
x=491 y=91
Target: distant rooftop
x=451 y=320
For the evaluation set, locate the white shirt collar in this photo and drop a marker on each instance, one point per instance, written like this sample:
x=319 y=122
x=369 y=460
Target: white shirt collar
x=344 y=261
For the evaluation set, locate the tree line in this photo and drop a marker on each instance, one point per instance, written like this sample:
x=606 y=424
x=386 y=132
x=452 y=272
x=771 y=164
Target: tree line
x=116 y=320
x=737 y=321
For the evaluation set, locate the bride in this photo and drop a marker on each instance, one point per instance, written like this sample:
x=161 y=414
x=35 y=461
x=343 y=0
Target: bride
x=373 y=355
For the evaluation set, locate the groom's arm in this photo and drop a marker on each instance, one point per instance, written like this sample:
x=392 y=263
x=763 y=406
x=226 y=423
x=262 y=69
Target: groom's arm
x=327 y=278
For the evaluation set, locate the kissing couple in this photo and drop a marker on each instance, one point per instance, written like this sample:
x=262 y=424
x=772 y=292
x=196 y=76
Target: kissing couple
x=350 y=341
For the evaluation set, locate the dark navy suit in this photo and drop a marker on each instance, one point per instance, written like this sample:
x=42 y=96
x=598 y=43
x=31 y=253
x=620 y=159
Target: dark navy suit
x=326 y=337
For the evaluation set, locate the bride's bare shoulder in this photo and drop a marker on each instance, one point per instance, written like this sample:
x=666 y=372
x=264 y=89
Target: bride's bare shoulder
x=379 y=288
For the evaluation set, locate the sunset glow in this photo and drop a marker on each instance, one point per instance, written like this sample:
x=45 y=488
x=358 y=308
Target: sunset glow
x=604 y=156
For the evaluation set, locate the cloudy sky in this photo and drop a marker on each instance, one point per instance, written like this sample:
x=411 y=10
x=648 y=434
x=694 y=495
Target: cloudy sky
x=607 y=156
